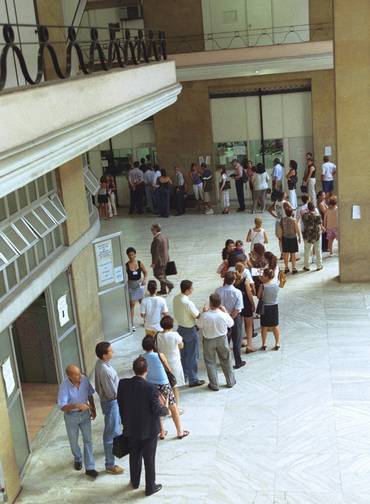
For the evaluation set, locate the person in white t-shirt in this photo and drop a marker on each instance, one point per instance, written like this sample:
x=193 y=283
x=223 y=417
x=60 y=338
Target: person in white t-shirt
x=327 y=176
x=215 y=323
x=277 y=176
x=152 y=309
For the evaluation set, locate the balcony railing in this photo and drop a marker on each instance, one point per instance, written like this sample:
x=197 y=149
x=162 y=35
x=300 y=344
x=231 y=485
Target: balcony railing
x=272 y=35
x=60 y=52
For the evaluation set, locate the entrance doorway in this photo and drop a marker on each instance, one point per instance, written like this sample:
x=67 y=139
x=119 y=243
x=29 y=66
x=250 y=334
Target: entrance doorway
x=36 y=364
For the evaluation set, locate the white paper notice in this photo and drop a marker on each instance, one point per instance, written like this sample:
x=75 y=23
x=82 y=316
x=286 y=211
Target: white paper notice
x=104 y=262
x=327 y=150
x=62 y=307
x=8 y=377
x=118 y=274
x=356 y=212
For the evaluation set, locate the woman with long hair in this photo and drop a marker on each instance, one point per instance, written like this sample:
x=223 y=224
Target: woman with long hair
x=225 y=190
x=243 y=284
x=268 y=293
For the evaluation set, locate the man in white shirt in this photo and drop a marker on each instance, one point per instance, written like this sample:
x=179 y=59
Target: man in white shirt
x=327 y=176
x=277 y=176
x=155 y=186
x=186 y=314
x=153 y=308
x=215 y=323
x=232 y=300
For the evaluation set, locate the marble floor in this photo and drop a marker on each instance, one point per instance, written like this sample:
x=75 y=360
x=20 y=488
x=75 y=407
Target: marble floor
x=296 y=427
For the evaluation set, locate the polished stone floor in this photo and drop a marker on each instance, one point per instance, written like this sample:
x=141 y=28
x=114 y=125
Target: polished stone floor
x=296 y=427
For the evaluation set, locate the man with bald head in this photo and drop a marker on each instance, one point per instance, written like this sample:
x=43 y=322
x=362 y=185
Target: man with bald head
x=76 y=400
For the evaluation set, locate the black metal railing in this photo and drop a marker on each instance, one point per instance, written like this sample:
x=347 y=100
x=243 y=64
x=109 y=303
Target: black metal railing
x=118 y=48
x=252 y=37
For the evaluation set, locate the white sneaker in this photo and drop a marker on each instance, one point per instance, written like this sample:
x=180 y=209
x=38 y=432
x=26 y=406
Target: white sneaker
x=209 y=211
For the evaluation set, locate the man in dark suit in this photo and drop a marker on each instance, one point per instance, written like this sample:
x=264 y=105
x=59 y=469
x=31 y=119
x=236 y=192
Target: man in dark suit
x=160 y=258
x=140 y=407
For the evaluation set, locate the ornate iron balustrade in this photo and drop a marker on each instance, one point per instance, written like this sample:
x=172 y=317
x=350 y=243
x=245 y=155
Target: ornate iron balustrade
x=92 y=56
x=271 y=35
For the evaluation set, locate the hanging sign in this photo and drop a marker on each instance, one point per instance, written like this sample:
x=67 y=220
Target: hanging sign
x=104 y=262
x=8 y=376
x=62 y=307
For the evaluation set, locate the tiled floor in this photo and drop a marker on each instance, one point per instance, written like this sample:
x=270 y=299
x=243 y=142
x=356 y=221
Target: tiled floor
x=296 y=427
x=39 y=401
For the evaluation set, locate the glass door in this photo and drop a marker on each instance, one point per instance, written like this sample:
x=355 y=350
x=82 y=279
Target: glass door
x=61 y=311
x=13 y=393
x=112 y=286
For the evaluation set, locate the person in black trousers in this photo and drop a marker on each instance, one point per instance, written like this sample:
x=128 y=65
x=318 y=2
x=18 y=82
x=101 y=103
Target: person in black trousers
x=140 y=407
x=239 y=184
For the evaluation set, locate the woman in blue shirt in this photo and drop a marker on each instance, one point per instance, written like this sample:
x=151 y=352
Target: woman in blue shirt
x=157 y=375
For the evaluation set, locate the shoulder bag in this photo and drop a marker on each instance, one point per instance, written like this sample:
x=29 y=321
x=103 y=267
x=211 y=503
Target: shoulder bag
x=171 y=268
x=120 y=446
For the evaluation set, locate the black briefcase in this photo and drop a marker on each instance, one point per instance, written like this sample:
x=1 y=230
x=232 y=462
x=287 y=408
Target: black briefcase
x=120 y=446
x=171 y=268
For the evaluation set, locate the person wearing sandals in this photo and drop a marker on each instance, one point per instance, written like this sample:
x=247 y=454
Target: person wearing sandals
x=225 y=187
x=268 y=292
x=244 y=285
x=169 y=343
x=137 y=276
x=290 y=237
x=157 y=375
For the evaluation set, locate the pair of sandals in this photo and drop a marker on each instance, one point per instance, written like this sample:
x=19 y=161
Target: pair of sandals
x=294 y=271
x=184 y=434
x=276 y=347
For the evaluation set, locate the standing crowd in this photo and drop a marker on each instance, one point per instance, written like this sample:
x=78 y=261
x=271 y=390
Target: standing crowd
x=246 y=300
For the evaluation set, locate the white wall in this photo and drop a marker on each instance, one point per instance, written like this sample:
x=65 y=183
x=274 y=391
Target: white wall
x=254 y=15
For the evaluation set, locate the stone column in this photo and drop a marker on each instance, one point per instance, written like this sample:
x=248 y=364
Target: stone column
x=352 y=78
x=85 y=288
x=321 y=20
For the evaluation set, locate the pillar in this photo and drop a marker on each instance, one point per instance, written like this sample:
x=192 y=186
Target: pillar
x=352 y=77
x=85 y=288
x=321 y=20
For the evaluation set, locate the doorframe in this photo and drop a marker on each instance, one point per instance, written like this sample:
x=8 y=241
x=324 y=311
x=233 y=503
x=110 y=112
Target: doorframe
x=110 y=236
x=53 y=328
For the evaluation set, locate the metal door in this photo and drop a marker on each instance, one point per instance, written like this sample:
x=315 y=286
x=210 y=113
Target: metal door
x=112 y=286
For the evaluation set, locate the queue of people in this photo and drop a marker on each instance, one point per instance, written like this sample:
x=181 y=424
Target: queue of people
x=251 y=282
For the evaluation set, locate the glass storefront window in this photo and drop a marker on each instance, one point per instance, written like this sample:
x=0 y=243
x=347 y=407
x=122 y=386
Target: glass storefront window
x=41 y=186
x=22 y=267
x=12 y=203
x=227 y=151
x=2 y=284
x=19 y=432
x=40 y=251
x=49 y=181
x=57 y=238
x=2 y=209
x=22 y=196
x=11 y=275
x=31 y=256
x=49 y=243
x=32 y=193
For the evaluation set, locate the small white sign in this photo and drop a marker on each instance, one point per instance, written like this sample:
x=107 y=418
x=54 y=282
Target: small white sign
x=327 y=151
x=118 y=274
x=356 y=212
x=8 y=377
x=62 y=307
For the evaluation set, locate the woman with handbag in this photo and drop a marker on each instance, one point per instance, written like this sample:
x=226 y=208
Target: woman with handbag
x=268 y=294
x=160 y=374
x=225 y=187
x=137 y=276
x=242 y=282
x=292 y=179
x=290 y=237
x=169 y=343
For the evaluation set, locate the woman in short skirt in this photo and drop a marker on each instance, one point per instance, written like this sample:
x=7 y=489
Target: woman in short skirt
x=268 y=292
x=290 y=236
x=137 y=276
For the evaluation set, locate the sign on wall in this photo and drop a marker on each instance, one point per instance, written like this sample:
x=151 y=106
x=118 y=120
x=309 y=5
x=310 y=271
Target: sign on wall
x=8 y=376
x=104 y=262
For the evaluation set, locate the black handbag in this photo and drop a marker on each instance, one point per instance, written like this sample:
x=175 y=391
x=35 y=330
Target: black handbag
x=120 y=446
x=303 y=188
x=171 y=268
x=260 y=307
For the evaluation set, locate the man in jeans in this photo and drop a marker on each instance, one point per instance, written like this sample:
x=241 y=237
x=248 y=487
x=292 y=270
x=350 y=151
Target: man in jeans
x=312 y=227
x=215 y=323
x=75 y=399
x=106 y=384
x=232 y=300
x=186 y=314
